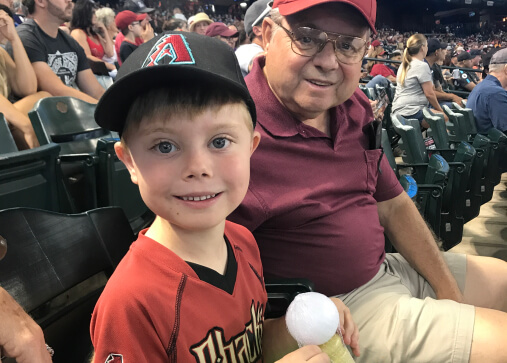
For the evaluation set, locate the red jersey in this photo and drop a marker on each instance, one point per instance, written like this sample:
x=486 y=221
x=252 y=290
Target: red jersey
x=155 y=308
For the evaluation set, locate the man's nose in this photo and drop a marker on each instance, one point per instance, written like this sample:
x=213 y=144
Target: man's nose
x=326 y=58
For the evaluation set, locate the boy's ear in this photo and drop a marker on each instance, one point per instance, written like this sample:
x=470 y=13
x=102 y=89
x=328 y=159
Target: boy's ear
x=124 y=155
x=255 y=141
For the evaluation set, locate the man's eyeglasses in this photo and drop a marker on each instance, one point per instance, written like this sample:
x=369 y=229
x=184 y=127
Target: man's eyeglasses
x=308 y=42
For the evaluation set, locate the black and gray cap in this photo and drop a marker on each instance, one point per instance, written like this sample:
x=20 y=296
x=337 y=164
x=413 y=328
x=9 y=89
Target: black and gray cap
x=171 y=58
x=499 y=57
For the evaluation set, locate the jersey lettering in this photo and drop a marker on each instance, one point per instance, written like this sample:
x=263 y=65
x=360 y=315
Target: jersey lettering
x=170 y=49
x=246 y=347
x=114 y=358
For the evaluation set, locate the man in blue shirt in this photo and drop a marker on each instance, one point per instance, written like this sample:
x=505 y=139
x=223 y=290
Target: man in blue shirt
x=488 y=100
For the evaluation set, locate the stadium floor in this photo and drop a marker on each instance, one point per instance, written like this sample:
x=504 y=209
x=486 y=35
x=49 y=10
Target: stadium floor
x=486 y=235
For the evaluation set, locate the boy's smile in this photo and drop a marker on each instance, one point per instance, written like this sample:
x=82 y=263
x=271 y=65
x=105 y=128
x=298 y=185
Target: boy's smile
x=192 y=171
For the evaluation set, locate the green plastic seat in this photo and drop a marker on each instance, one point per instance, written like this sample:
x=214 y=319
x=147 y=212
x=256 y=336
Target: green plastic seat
x=476 y=191
x=7 y=143
x=457 y=126
x=70 y=123
x=56 y=267
x=430 y=179
x=28 y=178
x=455 y=190
x=115 y=187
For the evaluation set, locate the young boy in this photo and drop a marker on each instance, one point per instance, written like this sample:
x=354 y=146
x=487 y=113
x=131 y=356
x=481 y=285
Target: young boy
x=191 y=287
x=129 y=23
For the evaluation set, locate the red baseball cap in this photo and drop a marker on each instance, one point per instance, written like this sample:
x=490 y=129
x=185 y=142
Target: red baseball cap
x=220 y=29
x=368 y=8
x=127 y=17
x=376 y=43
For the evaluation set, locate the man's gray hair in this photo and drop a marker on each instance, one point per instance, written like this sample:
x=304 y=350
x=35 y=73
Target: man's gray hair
x=497 y=67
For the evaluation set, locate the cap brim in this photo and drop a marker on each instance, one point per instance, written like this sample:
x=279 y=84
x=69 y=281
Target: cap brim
x=229 y=33
x=297 y=6
x=113 y=106
x=146 y=10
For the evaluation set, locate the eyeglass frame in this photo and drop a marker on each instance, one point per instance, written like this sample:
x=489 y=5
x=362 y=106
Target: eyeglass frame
x=292 y=37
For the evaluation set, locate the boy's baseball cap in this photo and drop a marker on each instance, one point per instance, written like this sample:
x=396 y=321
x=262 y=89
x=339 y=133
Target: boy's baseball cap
x=127 y=17
x=368 y=8
x=434 y=44
x=256 y=13
x=218 y=28
x=168 y=58
x=376 y=43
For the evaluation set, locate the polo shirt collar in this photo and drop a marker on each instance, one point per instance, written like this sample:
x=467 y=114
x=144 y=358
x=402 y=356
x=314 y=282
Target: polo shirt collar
x=493 y=79
x=273 y=116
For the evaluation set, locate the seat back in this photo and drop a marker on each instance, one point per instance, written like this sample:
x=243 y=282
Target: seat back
x=411 y=142
x=388 y=151
x=30 y=178
x=69 y=122
x=468 y=114
x=115 y=188
x=438 y=130
x=458 y=128
x=7 y=143
x=56 y=267
x=437 y=171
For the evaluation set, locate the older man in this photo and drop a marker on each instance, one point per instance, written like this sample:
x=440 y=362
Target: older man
x=488 y=100
x=321 y=197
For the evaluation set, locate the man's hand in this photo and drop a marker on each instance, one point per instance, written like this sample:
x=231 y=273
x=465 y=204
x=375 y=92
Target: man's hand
x=456 y=98
x=20 y=337
x=348 y=327
x=309 y=353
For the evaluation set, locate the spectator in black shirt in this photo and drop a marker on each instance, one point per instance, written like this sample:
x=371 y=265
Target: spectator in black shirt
x=436 y=53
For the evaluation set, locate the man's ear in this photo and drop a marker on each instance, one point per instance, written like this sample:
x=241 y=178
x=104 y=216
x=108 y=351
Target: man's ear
x=124 y=155
x=41 y=3
x=268 y=28
x=257 y=30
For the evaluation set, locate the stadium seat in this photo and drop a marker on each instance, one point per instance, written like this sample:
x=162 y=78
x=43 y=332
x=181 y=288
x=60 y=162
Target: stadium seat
x=281 y=292
x=7 y=143
x=429 y=178
x=454 y=199
x=115 y=188
x=28 y=178
x=70 y=123
x=56 y=267
x=476 y=187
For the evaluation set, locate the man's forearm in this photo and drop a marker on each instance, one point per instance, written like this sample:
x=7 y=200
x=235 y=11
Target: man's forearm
x=444 y=96
x=409 y=234
x=72 y=92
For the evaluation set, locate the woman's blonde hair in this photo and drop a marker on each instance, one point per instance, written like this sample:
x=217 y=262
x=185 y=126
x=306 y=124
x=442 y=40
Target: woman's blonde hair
x=4 y=82
x=414 y=44
x=105 y=15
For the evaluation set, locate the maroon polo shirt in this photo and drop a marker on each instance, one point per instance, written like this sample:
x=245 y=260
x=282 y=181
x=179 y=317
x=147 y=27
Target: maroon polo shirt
x=312 y=199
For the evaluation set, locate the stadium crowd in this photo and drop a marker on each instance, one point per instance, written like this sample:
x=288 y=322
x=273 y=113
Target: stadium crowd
x=61 y=48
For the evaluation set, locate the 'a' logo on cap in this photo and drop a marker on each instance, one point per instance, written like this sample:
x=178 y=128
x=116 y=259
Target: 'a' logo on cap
x=170 y=49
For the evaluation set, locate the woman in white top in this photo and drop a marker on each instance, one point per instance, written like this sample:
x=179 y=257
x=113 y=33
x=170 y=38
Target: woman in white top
x=414 y=89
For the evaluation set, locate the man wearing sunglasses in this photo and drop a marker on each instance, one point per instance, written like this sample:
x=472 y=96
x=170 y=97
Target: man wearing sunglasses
x=322 y=195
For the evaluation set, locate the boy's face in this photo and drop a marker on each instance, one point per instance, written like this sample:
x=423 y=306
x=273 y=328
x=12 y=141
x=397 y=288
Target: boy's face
x=192 y=172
